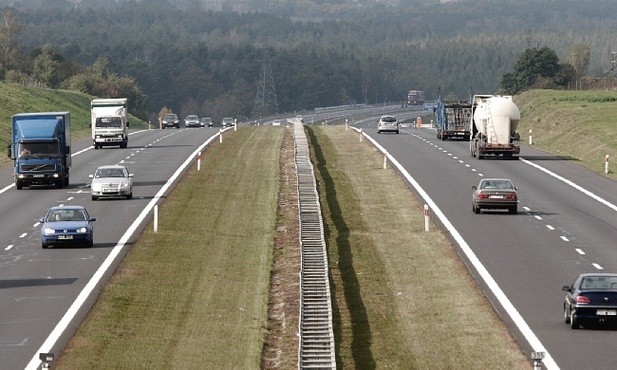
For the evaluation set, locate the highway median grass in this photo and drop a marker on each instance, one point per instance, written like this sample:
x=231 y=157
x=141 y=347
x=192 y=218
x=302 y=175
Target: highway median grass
x=194 y=295
x=402 y=297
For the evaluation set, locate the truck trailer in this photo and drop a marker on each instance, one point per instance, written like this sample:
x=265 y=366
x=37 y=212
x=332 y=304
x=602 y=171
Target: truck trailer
x=40 y=149
x=109 y=122
x=453 y=119
x=494 y=120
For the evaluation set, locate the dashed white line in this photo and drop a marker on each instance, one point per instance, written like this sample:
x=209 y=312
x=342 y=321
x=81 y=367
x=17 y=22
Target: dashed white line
x=538 y=217
x=23 y=235
x=580 y=251
x=8 y=247
x=564 y=238
x=597 y=266
x=550 y=227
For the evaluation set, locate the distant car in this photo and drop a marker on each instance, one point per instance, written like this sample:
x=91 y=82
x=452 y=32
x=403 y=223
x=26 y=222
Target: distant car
x=206 y=121
x=112 y=181
x=495 y=194
x=276 y=122
x=170 y=120
x=227 y=121
x=192 y=121
x=388 y=124
x=591 y=299
x=67 y=225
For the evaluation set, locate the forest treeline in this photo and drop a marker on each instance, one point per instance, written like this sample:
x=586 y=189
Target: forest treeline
x=219 y=62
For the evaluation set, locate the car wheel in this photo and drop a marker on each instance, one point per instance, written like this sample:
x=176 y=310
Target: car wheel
x=566 y=317
x=94 y=197
x=129 y=196
x=18 y=185
x=573 y=321
x=513 y=210
x=44 y=246
x=476 y=209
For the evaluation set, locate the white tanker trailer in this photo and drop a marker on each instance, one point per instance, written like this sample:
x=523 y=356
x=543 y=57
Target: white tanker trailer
x=494 y=120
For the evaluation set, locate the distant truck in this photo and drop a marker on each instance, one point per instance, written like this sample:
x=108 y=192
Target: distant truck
x=494 y=120
x=453 y=119
x=109 y=122
x=40 y=149
x=415 y=97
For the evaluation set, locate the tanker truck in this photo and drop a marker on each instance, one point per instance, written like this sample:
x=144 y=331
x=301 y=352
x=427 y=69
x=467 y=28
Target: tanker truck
x=494 y=120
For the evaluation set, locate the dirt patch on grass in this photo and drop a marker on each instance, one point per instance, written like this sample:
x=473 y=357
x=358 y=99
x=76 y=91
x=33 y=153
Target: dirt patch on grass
x=281 y=345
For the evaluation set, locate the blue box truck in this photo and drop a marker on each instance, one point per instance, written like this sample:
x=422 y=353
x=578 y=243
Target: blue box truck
x=41 y=149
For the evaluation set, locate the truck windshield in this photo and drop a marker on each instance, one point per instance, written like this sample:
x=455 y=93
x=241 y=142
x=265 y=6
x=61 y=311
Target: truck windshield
x=109 y=122
x=32 y=150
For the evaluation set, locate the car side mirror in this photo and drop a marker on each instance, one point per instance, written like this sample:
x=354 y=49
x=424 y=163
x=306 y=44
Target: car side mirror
x=42 y=220
x=92 y=219
x=130 y=175
x=566 y=288
x=473 y=187
x=91 y=176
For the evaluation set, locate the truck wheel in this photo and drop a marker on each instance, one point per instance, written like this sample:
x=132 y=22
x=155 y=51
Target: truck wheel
x=66 y=181
x=96 y=146
x=58 y=184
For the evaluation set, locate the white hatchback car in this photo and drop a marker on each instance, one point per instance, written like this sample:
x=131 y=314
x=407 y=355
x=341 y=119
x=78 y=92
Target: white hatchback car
x=112 y=181
x=388 y=124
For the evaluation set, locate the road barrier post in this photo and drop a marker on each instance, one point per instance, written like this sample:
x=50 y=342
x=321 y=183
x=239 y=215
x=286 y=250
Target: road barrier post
x=346 y=124
x=360 y=135
x=606 y=164
x=221 y=135
x=385 y=161
x=426 y=218
x=199 y=161
x=156 y=218
x=235 y=124
x=530 y=138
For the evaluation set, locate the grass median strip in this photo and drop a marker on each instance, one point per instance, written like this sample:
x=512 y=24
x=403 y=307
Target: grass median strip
x=402 y=297
x=194 y=295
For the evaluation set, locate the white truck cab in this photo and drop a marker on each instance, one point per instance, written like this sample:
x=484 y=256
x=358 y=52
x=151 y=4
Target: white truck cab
x=109 y=122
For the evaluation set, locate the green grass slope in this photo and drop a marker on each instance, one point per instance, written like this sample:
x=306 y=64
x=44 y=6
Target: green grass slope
x=579 y=125
x=16 y=98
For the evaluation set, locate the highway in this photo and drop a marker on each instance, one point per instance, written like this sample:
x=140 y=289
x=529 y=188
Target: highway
x=39 y=286
x=566 y=225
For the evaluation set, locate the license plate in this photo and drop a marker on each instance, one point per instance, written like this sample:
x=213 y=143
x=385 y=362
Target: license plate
x=606 y=312
x=496 y=196
x=65 y=237
x=38 y=175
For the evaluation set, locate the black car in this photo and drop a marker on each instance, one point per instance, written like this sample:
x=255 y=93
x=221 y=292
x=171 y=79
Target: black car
x=591 y=299
x=170 y=120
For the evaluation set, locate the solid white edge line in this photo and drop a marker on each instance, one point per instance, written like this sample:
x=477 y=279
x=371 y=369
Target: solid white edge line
x=46 y=347
x=516 y=317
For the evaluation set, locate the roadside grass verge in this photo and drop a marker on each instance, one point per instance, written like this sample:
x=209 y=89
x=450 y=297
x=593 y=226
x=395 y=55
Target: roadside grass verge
x=578 y=125
x=402 y=298
x=195 y=294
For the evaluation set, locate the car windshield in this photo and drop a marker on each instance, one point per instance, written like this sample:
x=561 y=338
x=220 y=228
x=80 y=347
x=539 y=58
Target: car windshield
x=110 y=172
x=170 y=117
x=66 y=215
x=192 y=118
x=599 y=282
x=497 y=184
x=388 y=119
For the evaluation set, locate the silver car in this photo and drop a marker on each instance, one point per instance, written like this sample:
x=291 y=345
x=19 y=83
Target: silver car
x=192 y=121
x=112 y=181
x=388 y=124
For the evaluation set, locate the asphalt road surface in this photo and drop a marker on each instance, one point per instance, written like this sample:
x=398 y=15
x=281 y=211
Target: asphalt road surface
x=566 y=225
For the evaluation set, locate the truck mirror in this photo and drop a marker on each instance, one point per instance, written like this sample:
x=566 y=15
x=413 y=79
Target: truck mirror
x=127 y=123
x=90 y=125
x=9 y=152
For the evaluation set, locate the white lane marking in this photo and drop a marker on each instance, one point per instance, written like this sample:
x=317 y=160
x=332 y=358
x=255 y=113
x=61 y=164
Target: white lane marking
x=572 y=184
x=36 y=224
x=550 y=227
x=69 y=199
x=23 y=235
x=69 y=315
x=527 y=208
x=8 y=247
x=505 y=302
x=564 y=238
x=538 y=217
x=580 y=251
x=597 y=266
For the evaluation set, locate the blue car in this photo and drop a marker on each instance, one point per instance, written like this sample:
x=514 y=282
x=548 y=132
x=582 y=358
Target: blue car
x=67 y=225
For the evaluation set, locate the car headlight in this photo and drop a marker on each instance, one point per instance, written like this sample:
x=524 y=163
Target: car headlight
x=125 y=184
x=48 y=231
x=96 y=186
x=82 y=230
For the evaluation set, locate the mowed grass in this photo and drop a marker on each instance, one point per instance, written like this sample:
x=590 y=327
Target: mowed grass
x=578 y=125
x=195 y=294
x=402 y=298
